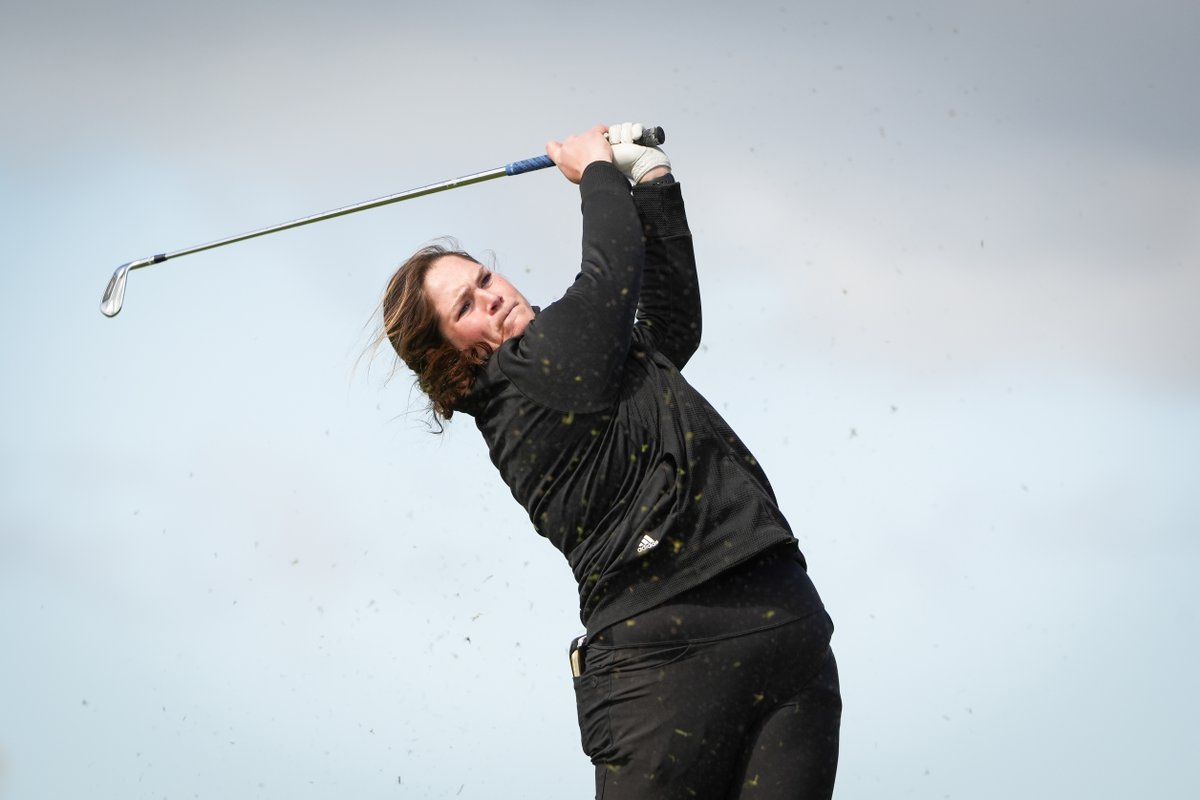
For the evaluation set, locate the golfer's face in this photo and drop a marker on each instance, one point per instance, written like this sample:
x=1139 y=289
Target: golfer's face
x=474 y=305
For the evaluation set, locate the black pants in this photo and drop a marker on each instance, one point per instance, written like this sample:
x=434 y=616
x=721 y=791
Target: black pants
x=730 y=691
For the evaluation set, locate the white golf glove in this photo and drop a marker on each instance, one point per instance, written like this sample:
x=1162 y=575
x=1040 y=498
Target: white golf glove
x=634 y=160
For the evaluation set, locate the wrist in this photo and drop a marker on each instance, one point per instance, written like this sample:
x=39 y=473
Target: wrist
x=657 y=172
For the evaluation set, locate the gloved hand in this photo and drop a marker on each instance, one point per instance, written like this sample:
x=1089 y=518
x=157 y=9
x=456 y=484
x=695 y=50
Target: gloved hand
x=634 y=160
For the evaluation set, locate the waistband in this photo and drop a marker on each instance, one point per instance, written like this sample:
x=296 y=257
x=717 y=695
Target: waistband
x=768 y=590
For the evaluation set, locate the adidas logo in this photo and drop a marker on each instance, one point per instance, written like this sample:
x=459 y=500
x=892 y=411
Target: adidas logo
x=648 y=542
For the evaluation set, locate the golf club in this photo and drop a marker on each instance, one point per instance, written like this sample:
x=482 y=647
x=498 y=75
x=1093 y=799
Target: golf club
x=114 y=293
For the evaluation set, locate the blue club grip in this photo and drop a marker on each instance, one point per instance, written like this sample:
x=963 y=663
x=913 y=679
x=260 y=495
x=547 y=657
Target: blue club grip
x=528 y=165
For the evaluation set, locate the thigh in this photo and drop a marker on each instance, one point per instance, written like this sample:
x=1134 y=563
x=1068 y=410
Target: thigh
x=670 y=721
x=794 y=753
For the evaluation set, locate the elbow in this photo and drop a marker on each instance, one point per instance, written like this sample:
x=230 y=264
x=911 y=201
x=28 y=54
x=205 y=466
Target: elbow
x=694 y=330
x=687 y=344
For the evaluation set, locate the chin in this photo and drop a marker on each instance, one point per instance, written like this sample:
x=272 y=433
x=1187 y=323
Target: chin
x=521 y=321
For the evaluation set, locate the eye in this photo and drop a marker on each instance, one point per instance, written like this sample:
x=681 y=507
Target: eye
x=463 y=309
x=485 y=279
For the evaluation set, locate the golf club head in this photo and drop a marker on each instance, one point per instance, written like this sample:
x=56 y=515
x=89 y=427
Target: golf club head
x=114 y=293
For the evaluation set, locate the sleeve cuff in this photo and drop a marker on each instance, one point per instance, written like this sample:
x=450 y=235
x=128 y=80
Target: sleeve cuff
x=602 y=175
x=660 y=205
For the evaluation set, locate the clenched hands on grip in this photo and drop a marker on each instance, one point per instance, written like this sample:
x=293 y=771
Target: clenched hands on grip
x=575 y=153
x=636 y=162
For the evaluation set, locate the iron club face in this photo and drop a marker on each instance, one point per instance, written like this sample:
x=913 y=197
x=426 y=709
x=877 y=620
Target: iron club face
x=114 y=293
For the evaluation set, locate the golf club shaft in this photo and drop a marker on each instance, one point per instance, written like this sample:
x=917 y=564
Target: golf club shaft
x=114 y=293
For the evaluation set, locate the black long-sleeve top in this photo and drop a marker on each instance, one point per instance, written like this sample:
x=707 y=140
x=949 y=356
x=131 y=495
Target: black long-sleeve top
x=619 y=462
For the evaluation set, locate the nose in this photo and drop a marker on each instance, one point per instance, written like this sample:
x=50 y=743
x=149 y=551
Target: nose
x=492 y=301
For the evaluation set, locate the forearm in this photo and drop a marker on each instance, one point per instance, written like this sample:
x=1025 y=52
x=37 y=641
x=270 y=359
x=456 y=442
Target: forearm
x=574 y=349
x=613 y=256
x=669 y=309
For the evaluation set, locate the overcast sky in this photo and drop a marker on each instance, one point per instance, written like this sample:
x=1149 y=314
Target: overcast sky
x=950 y=260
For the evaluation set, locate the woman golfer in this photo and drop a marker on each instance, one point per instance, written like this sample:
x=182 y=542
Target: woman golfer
x=706 y=670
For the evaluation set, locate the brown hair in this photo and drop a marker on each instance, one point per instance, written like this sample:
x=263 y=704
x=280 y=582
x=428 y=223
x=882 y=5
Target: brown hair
x=444 y=373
